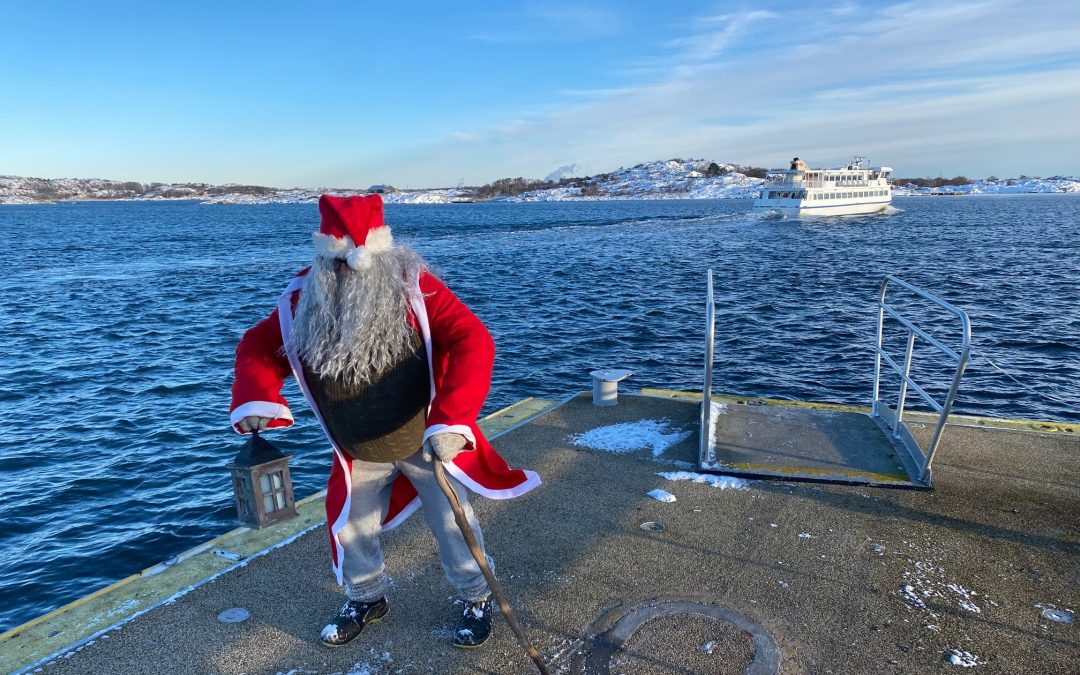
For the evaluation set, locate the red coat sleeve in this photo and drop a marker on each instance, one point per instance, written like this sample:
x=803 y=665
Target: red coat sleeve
x=260 y=371
x=463 y=355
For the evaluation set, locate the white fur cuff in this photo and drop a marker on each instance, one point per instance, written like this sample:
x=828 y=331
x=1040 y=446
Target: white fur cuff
x=332 y=247
x=379 y=239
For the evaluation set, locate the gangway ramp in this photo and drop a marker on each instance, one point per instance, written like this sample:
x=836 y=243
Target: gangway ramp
x=769 y=438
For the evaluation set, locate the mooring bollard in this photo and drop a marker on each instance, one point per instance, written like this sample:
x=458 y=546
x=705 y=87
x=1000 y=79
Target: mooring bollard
x=606 y=385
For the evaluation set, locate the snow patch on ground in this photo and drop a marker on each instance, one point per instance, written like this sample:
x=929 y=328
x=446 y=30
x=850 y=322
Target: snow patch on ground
x=630 y=436
x=722 y=482
x=963 y=659
x=376 y=664
x=661 y=495
x=927 y=580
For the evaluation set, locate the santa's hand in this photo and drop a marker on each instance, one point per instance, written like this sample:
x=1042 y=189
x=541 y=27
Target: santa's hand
x=253 y=423
x=445 y=446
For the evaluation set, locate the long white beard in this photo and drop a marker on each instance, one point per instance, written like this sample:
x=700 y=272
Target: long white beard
x=353 y=327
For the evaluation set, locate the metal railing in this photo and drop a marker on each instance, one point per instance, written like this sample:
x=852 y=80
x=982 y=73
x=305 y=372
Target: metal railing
x=894 y=420
x=706 y=390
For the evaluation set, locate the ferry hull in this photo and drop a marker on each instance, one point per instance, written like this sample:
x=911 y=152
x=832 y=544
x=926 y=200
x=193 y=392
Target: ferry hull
x=808 y=209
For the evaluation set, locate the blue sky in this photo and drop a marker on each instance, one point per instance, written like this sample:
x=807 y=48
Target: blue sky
x=434 y=94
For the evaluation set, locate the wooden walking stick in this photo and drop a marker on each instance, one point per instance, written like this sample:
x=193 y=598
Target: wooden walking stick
x=481 y=560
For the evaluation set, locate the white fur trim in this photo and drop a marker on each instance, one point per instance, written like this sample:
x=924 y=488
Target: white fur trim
x=532 y=479
x=285 y=320
x=420 y=310
x=379 y=239
x=332 y=247
x=342 y=518
x=274 y=411
x=462 y=429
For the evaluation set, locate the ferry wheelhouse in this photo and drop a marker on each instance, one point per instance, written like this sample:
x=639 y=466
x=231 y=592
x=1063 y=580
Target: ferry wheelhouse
x=800 y=190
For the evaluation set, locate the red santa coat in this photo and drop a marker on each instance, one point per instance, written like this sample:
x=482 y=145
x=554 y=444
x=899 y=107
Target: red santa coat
x=460 y=355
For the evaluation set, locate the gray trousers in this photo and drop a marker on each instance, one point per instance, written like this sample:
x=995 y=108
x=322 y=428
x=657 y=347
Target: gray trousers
x=363 y=568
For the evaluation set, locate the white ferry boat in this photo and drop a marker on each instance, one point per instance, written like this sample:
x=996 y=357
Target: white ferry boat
x=801 y=190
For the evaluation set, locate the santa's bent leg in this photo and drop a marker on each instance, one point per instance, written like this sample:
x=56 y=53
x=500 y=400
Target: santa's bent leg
x=457 y=560
x=362 y=564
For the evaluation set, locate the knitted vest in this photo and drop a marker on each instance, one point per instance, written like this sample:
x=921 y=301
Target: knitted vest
x=383 y=421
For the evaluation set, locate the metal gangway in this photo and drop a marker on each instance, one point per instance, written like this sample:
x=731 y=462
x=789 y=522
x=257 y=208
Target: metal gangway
x=838 y=443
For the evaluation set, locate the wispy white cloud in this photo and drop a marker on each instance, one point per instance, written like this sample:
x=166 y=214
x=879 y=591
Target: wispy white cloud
x=713 y=34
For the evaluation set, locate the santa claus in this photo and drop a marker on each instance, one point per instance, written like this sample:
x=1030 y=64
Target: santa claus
x=396 y=369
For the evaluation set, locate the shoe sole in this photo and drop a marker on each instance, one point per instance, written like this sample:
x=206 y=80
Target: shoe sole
x=474 y=646
x=367 y=622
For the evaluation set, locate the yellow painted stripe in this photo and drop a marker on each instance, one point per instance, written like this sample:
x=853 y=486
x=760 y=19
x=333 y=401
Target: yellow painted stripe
x=1048 y=426
x=811 y=471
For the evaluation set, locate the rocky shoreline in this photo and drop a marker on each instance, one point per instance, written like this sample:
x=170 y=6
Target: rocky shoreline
x=670 y=179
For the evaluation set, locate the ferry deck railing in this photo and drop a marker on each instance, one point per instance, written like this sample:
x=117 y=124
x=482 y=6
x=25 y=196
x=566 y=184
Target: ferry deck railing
x=797 y=182
x=893 y=419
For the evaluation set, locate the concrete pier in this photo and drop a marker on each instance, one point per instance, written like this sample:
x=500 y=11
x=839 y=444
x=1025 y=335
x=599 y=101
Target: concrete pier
x=773 y=576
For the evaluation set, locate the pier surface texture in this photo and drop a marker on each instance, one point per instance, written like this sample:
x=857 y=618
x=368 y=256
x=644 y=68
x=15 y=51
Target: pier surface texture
x=772 y=576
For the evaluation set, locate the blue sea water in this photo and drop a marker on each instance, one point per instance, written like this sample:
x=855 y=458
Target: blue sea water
x=120 y=320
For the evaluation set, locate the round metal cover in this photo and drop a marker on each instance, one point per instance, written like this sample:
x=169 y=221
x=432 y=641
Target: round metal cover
x=652 y=526
x=234 y=615
x=679 y=636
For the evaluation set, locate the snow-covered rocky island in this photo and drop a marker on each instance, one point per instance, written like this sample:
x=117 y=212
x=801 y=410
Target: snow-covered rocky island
x=670 y=179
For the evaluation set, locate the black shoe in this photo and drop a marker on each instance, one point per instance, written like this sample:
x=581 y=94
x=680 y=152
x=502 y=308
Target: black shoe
x=474 y=628
x=351 y=620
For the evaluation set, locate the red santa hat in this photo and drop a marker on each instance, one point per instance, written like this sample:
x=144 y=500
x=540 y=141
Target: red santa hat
x=352 y=229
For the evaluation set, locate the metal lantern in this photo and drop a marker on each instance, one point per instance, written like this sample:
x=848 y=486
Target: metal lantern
x=262 y=487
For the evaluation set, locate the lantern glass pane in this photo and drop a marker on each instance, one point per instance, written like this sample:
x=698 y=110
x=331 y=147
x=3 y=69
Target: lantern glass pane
x=268 y=503
x=264 y=483
x=279 y=497
x=276 y=477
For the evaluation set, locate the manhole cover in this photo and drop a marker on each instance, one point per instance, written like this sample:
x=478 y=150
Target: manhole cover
x=234 y=615
x=685 y=643
x=680 y=636
x=652 y=526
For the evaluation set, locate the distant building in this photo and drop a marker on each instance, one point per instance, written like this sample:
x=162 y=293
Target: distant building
x=381 y=189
